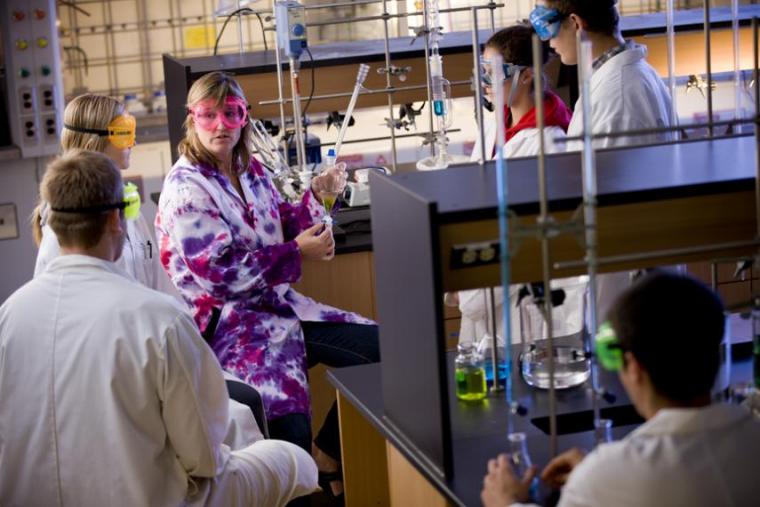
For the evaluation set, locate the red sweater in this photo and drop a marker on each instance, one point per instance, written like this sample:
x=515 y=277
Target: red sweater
x=556 y=114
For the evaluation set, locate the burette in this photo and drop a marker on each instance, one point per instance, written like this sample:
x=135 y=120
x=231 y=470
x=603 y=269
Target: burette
x=441 y=94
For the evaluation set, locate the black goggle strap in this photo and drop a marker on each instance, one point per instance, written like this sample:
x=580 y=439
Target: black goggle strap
x=92 y=209
x=83 y=130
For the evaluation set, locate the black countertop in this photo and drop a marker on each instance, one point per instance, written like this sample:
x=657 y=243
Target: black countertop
x=624 y=175
x=479 y=430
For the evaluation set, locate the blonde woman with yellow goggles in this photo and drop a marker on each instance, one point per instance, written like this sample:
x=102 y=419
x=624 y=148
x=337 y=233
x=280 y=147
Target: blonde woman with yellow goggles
x=100 y=123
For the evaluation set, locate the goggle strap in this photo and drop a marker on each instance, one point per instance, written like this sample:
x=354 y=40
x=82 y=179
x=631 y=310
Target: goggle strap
x=92 y=209
x=84 y=130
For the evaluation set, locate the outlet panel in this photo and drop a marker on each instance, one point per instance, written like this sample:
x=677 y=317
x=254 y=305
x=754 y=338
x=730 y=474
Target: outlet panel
x=34 y=75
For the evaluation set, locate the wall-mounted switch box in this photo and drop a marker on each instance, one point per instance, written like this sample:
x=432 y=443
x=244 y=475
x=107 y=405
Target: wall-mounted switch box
x=8 y=221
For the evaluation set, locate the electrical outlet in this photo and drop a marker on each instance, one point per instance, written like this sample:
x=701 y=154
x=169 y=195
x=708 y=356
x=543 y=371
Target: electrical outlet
x=46 y=97
x=8 y=221
x=26 y=100
x=49 y=129
x=29 y=130
x=475 y=254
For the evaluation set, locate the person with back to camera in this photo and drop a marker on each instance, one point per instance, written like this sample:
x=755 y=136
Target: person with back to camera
x=110 y=396
x=233 y=246
x=664 y=338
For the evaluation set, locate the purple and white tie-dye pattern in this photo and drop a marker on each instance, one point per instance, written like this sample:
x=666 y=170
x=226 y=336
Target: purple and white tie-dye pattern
x=239 y=256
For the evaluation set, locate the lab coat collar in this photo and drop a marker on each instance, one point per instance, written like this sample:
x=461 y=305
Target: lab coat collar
x=66 y=262
x=631 y=55
x=674 y=421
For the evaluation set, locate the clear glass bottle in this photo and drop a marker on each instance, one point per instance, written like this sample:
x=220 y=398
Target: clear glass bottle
x=469 y=374
x=520 y=458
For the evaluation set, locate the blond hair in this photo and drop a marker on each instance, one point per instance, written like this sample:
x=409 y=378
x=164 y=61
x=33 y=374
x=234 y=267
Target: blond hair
x=215 y=86
x=85 y=111
x=77 y=180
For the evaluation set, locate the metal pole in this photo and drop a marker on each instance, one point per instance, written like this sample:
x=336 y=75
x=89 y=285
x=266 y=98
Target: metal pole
x=478 y=86
x=708 y=62
x=737 y=64
x=496 y=386
x=295 y=91
x=388 y=86
x=492 y=6
x=278 y=62
x=240 y=28
x=588 y=167
x=426 y=27
x=658 y=254
x=671 y=38
x=544 y=220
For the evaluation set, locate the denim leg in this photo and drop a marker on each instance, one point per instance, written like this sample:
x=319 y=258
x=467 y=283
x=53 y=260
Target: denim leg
x=338 y=345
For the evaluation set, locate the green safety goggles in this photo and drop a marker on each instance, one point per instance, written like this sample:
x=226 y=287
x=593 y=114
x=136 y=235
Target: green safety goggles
x=609 y=353
x=130 y=204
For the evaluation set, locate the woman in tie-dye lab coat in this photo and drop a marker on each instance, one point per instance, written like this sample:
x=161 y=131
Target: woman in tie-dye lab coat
x=232 y=246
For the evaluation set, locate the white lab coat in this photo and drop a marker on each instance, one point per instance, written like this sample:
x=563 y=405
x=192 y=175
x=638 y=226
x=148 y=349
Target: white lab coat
x=522 y=144
x=626 y=94
x=140 y=257
x=474 y=305
x=111 y=397
x=681 y=457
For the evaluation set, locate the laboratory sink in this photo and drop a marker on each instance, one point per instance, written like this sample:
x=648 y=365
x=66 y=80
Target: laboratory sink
x=578 y=422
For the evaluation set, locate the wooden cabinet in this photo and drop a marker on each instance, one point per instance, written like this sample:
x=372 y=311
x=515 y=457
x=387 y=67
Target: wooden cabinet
x=346 y=282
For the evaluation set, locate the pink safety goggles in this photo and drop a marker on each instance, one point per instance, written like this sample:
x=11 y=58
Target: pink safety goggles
x=233 y=114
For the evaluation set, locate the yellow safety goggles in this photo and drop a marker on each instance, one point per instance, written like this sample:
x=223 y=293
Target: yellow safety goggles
x=120 y=132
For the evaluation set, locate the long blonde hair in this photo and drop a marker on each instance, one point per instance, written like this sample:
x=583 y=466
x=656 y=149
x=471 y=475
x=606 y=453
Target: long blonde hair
x=85 y=111
x=215 y=86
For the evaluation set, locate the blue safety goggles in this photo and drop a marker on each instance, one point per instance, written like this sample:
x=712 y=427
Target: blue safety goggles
x=546 y=22
x=510 y=69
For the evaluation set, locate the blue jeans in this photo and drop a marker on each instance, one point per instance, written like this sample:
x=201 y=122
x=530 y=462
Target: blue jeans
x=335 y=345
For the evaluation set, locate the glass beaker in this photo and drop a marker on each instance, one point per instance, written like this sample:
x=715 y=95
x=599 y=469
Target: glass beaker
x=469 y=374
x=571 y=366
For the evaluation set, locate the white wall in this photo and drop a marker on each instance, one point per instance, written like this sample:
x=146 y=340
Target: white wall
x=18 y=185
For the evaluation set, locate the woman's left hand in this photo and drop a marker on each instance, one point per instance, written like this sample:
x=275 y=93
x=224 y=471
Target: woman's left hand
x=331 y=181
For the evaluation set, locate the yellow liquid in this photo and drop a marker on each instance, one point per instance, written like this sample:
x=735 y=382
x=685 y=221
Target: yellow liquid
x=328 y=201
x=470 y=383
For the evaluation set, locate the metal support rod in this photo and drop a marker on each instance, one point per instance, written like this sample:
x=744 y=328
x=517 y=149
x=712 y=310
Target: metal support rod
x=658 y=254
x=391 y=90
x=297 y=120
x=389 y=85
x=478 y=86
x=658 y=130
x=240 y=27
x=426 y=27
x=671 y=38
x=544 y=220
x=708 y=64
x=588 y=168
x=714 y=276
x=278 y=63
x=382 y=138
x=756 y=73
x=496 y=386
x=492 y=6
x=342 y=21
x=737 y=63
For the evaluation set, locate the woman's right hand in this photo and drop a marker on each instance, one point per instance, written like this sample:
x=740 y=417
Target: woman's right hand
x=316 y=243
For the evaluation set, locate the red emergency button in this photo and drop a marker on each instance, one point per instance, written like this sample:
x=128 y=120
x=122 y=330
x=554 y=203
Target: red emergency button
x=18 y=15
x=39 y=14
